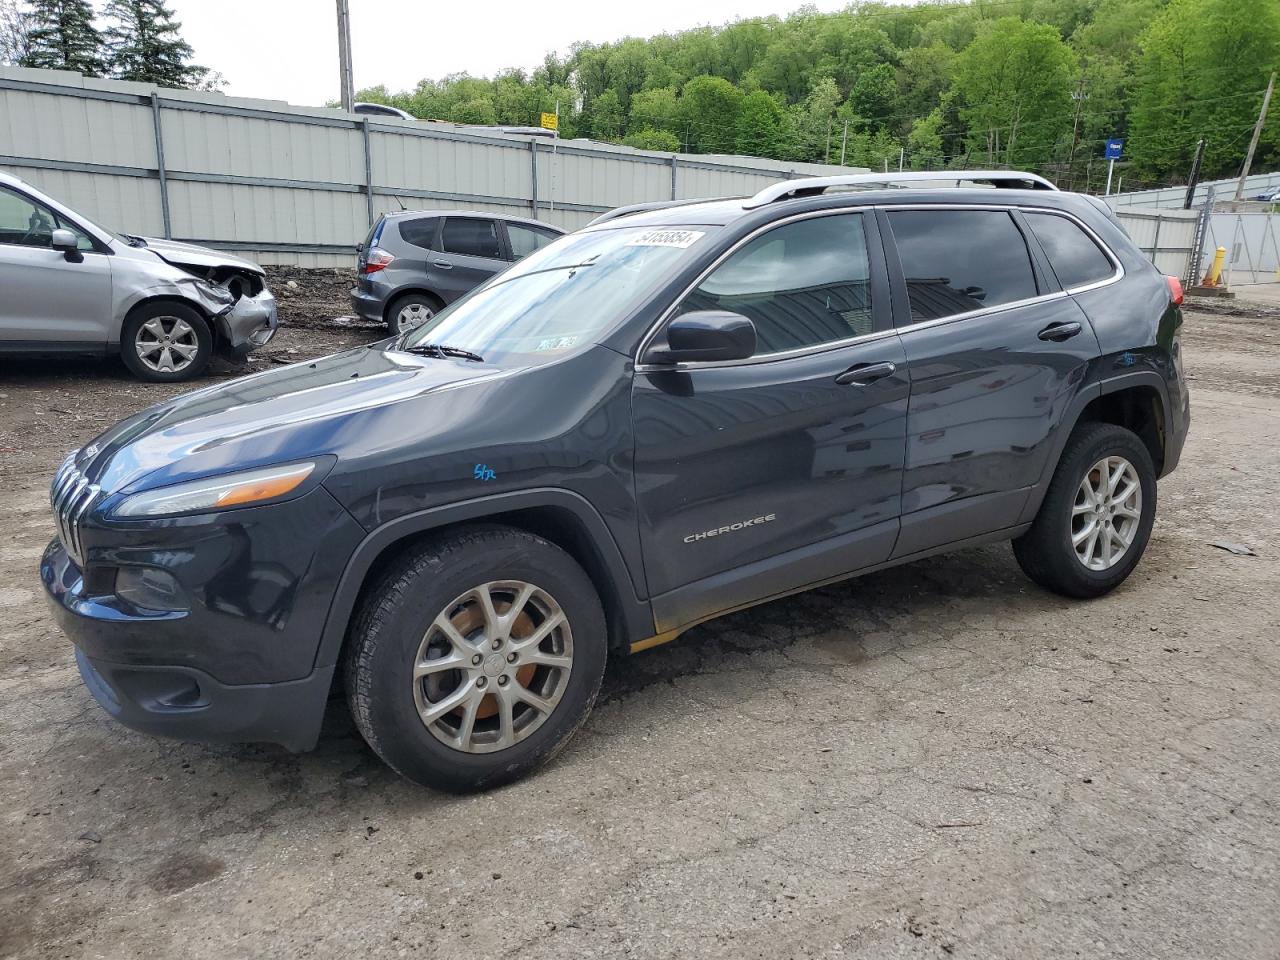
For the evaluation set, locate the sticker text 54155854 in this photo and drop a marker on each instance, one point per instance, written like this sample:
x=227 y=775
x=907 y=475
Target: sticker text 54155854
x=667 y=238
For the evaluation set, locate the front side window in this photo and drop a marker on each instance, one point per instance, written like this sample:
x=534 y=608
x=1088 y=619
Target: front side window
x=565 y=296
x=420 y=232
x=802 y=284
x=1075 y=258
x=24 y=223
x=958 y=261
x=471 y=237
x=525 y=240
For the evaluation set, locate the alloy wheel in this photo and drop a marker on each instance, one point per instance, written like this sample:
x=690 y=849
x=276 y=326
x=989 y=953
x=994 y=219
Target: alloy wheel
x=167 y=344
x=1106 y=513
x=493 y=666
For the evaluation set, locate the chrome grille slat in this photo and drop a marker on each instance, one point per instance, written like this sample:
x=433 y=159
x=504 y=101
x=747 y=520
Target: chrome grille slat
x=72 y=496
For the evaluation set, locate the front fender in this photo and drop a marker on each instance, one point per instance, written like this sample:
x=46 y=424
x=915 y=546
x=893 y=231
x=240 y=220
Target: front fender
x=633 y=618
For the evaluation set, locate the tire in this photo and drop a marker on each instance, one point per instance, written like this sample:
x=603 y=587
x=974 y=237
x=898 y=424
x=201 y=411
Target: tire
x=1047 y=552
x=183 y=358
x=404 y=718
x=400 y=312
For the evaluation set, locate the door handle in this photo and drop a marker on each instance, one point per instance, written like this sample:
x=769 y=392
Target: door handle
x=1058 y=332
x=442 y=264
x=861 y=374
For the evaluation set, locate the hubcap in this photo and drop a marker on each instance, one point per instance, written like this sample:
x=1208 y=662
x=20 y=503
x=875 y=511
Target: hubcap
x=1106 y=514
x=413 y=315
x=166 y=344
x=493 y=666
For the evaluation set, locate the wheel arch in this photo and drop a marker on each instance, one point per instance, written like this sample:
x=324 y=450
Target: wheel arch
x=398 y=295
x=560 y=516
x=1138 y=401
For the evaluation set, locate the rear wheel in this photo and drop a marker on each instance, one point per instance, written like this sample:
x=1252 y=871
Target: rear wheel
x=475 y=658
x=411 y=311
x=1096 y=518
x=166 y=342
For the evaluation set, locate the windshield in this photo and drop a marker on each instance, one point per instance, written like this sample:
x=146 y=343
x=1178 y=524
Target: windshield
x=562 y=296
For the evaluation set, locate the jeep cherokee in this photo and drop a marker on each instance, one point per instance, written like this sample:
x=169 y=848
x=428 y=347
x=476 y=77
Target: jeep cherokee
x=671 y=414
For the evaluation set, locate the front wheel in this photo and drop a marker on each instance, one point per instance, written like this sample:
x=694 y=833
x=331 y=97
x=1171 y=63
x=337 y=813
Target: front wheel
x=166 y=342
x=1096 y=518
x=476 y=658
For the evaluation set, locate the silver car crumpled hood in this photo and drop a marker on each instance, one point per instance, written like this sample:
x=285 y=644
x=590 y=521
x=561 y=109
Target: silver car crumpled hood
x=191 y=255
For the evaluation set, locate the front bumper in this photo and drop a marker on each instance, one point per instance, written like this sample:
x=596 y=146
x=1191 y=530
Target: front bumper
x=250 y=323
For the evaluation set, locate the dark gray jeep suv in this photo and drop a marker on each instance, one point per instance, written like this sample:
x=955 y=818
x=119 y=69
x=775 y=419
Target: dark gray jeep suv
x=412 y=265
x=668 y=415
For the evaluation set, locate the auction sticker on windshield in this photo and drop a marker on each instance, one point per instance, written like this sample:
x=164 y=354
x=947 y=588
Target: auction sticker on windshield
x=667 y=238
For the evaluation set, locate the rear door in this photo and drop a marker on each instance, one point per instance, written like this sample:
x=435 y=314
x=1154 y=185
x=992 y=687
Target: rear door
x=47 y=300
x=997 y=352
x=760 y=476
x=471 y=251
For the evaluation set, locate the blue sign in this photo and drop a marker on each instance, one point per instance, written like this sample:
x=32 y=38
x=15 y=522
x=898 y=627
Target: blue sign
x=1113 y=149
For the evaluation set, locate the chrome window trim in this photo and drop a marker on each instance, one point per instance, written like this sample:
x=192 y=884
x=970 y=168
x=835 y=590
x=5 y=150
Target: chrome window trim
x=1115 y=277
x=667 y=314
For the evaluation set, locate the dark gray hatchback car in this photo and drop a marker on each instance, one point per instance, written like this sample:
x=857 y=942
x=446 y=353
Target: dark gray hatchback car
x=414 y=264
x=658 y=419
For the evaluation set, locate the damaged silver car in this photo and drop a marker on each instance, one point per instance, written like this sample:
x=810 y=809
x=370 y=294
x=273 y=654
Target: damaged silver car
x=69 y=286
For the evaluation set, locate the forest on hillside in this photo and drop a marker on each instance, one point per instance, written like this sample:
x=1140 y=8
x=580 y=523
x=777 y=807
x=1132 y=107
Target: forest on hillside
x=1031 y=84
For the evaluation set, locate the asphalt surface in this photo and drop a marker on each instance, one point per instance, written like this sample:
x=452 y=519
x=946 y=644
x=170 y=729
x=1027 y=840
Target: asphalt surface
x=938 y=760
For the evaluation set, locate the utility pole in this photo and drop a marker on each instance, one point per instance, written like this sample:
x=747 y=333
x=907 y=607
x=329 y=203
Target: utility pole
x=1194 y=178
x=844 y=142
x=827 y=157
x=1257 y=132
x=1079 y=96
x=346 y=83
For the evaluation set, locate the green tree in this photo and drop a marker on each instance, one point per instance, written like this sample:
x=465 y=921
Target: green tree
x=655 y=109
x=761 y=126
x=144 y=43
x=1203 y=66
x=924 y=143
x=812 y=122
x=606 y=116
x=650 y=139
x=875 y=94
x=479 y=110
x=709 y=109
x=61 y=36
x=15 y=27
x=1014 y=84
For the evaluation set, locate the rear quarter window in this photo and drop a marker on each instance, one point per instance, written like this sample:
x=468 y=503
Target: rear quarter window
x=420 y=232
x=1075 y=257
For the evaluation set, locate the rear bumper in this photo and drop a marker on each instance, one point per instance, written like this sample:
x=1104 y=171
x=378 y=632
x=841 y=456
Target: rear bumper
x=188 y=704
x=366 y=305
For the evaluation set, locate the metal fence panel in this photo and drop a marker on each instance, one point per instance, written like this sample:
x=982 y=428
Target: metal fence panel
x=1167 y=237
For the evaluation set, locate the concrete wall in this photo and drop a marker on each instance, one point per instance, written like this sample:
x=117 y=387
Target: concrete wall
x=298 y=185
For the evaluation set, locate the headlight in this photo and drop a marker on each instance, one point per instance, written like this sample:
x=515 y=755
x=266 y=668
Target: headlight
x=217 y=493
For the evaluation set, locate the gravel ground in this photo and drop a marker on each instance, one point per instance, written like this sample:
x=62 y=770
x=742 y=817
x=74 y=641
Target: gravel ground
x=938 y=760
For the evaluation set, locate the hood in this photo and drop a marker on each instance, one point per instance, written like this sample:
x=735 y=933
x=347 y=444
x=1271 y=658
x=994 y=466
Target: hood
x=290 y=413
x=193 y=255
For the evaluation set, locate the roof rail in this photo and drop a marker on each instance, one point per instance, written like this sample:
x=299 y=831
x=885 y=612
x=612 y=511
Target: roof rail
x=813 y=186
x=631 y=208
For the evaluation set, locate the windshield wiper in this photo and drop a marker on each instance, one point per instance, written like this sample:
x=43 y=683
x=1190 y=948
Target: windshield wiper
x=440 y=350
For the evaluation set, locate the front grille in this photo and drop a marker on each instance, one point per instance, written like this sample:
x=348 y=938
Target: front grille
x=71 y=495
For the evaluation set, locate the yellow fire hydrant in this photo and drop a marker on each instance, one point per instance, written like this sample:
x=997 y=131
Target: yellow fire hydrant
x=1214 y=276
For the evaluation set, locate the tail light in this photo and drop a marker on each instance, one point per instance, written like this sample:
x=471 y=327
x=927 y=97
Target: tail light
x=1175 y=290
x=377 y=259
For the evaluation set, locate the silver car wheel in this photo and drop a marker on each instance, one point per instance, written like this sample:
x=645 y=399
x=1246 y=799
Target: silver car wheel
x=166 y=344
x=413 y=315
x=493 y=666
x=1106 y=513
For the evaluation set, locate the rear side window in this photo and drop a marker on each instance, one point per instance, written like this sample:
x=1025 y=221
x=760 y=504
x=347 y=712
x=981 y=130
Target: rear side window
x=1072 y=253
x=471 y=237
x=525 y=240
x=957 y=261
x=420 y=232
x=802 y=284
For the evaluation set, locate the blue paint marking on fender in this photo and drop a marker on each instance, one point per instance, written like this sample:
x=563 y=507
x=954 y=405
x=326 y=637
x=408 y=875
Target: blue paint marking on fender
x=482 y=472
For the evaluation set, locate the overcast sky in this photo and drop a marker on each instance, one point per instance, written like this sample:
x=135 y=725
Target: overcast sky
x=288 y=49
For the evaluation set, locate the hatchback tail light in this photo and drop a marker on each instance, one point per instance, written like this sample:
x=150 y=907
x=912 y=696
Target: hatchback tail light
x=377 y=259
x=1175 y=290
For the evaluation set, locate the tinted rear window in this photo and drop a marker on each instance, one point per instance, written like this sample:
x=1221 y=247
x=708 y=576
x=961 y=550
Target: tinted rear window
x=471 y=236
x=1075 y=258
x=956 y=261
x=420 y=232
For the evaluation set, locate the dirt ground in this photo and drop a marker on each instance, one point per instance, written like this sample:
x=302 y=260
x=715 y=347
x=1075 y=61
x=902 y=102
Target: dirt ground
x=938 y=760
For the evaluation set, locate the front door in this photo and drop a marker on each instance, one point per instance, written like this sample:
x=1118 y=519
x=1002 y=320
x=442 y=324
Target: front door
x=997 y=353
x=47 y=300
x=471 y=254
x=761 y=476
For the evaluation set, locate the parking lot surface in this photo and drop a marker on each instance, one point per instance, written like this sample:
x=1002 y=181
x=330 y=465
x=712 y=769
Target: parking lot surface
x=937 y=760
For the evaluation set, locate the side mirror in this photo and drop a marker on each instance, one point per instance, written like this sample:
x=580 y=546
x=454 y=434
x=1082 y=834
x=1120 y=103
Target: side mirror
x=64 y=241
x=705 y=335
x=360 y=247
